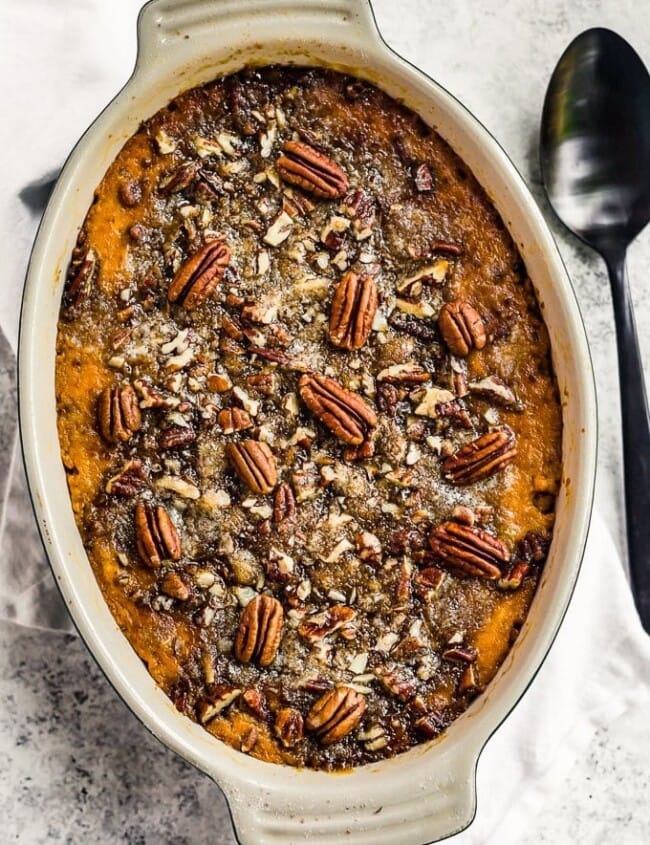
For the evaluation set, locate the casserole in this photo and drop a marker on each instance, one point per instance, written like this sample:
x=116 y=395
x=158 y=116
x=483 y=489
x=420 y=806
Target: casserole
x=184 y=44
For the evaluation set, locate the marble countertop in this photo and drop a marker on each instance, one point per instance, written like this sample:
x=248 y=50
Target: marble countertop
x=76 y=766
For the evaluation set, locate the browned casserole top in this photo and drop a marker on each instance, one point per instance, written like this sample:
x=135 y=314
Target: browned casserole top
x=308 y=416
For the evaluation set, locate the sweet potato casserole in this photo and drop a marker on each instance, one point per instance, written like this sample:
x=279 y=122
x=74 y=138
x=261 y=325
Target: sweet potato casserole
x=308 y=416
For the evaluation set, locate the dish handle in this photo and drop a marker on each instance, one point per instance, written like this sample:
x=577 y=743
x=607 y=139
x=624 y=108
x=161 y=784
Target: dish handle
x=410 y=802
x=165 y=24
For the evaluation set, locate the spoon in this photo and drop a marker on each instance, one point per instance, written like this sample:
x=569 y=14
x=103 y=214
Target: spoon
x=595 y=157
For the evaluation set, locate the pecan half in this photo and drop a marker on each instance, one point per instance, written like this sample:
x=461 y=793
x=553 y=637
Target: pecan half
x=81 y=273
x=289 y=726
x=468 y=551
x=483 y=457
x=260 y=631
x=196 y=280
x=284 y=505
x=346 y=414
x=353 y=310
x=129 y=481
x=234 y=419
x=118 y=413
x=461 y=327
x=156 y=537
x=335 y=714
x=311 y=170
x=180 y=178
x=254 y=464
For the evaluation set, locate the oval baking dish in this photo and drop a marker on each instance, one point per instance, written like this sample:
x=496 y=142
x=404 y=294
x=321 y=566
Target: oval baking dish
x=427 y=793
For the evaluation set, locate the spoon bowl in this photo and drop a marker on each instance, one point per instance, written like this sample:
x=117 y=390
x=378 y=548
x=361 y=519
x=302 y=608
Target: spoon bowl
x=595 y=159
x=595 y=140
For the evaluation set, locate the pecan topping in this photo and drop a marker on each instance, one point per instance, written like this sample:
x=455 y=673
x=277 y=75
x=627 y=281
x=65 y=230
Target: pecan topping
x=129 y=481
x=156 y=537
x=397 y=682
x=423 y=178
x=254 y=464
x=176 y=436
x=220 y=697
x=311 y=170
x=81 y=273
x=284 y=505
x=346 y=414
x=289 y=727
x=320 y=625
x=196 y=280
x=234 y=419
x=174 y=586
x=256 y=702
x=118 y=413
x=260 y=631
x=481 y=458
x=353 y=310
x=430 y=725
x=180 y=178
x=461 y=327
x=468 y=551
x=335 y=714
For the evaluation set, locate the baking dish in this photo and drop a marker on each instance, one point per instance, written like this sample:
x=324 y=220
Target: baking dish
x=429 y=792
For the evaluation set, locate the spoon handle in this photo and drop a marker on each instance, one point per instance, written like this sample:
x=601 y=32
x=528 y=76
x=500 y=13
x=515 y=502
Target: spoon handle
x=636 y=437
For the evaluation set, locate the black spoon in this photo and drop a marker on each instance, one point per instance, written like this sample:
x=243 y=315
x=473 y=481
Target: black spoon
x=595 y=156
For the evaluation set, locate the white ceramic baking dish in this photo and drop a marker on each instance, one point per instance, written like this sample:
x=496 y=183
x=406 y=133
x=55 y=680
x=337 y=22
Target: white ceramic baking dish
x=429 y=792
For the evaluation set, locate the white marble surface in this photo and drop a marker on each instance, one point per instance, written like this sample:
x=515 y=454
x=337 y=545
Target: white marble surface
x=75 y=765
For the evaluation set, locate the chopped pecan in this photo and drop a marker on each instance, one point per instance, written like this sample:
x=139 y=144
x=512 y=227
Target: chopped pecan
x=196 y=280
x=173 y=585
x=118 y=413
x=311 y=170
x=495 y=390
x=533 y=548
x=488 y=454
x=368 y=546
x=209 y=706
x=461 y=327
x=413 y=326
x=460 y=654
x=284 y=505
x=254 y=464
x=406 y=540
x=249 y=740
x=423 y=178
x=260 y=630
x=289 y=727
x=428 y=581
x=129 y=481
x=387 y=399
x=80 y=276
x=345 y=413
x=234 y=419
x=156 y=537
x=404 y=374
x=353 y=310
x=468 y=683
x=264 y=383
x=455 y=413
x=335 y=714
x=430 y=725
x=397 y=682
x=256 y=703
x=320 y=625
x=359 y=453
x=176 y=436
x=514 y=577
x=466 y=550
x=180 y=178
x=129 y=193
